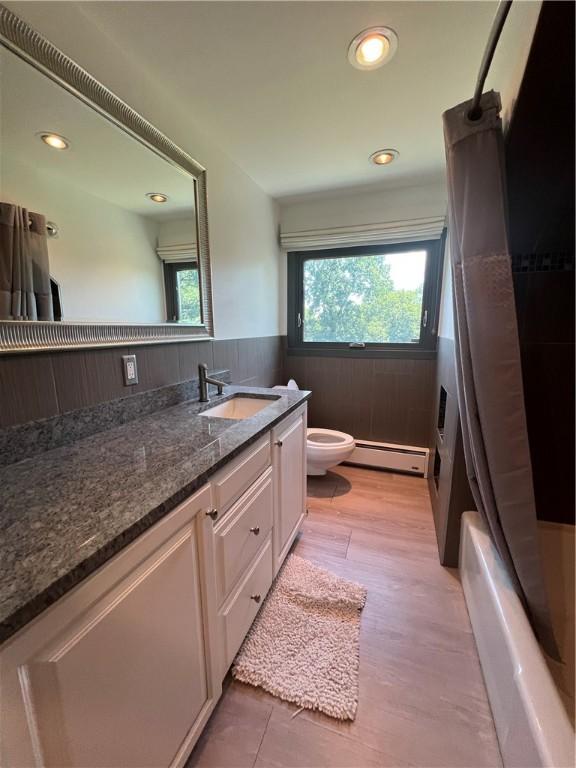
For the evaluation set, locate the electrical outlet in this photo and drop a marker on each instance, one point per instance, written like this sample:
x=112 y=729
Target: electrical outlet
x=130 y=370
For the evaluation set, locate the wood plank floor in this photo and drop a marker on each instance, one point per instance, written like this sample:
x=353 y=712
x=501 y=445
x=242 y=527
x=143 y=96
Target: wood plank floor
x=422 y=699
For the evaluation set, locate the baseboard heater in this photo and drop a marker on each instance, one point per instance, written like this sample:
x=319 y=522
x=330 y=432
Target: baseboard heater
x=396 y=458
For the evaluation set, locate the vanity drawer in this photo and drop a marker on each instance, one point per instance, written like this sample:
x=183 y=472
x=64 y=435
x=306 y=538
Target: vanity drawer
x=239 y=475
x=240 y=534
x=240 y=611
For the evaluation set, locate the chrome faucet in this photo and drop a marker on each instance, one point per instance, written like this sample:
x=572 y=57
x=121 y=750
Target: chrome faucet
x=204 y=380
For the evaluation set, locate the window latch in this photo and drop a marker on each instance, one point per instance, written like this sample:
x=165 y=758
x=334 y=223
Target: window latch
x=425 y=319
x=299 y=320
x=357 y=345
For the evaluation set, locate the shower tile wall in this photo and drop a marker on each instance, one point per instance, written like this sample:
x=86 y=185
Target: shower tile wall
x=545 y=308
x=384 y=400
x=42 y=385
x=541 y=204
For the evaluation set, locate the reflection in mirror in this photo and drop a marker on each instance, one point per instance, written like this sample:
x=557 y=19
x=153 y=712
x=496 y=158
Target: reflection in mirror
x=94 y=226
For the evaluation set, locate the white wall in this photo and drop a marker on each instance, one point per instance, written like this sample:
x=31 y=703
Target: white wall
x=243 y=220
x=104 y=257
x=177 y=232
x=517 y=35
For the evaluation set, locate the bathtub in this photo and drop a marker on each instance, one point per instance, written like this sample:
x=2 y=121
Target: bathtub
x=529 y=694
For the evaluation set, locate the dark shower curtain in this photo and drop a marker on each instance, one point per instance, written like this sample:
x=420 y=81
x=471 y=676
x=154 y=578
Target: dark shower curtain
x=490 y=391
x=25 y=292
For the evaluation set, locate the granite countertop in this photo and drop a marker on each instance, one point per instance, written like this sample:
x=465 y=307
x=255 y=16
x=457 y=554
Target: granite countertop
x=65 y=512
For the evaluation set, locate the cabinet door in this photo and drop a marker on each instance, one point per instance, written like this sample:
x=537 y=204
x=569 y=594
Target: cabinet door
x=127 y=681
x=290 y=478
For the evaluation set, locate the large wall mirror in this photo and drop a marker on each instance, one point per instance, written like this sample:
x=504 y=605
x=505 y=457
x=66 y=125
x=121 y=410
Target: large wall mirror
x=103 y=223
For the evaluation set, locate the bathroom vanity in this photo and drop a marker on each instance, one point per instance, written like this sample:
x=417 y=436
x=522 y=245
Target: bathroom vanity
x=121 y=662
x=140 y=535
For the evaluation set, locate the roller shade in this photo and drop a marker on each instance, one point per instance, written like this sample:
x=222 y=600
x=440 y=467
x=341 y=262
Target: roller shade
x=408 y=230
x=178 y=252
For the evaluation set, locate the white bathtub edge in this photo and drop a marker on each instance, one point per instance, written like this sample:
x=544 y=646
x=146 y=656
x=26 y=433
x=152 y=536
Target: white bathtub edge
x=532 y=725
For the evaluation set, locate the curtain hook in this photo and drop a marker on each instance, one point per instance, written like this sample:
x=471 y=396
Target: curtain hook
x=51 y=228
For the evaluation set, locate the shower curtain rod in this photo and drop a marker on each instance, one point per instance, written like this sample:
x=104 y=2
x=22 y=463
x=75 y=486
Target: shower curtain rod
x=475 y=112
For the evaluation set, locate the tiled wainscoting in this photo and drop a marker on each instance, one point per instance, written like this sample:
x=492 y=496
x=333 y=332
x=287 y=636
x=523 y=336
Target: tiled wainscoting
x=47 y=384
x=381 y=399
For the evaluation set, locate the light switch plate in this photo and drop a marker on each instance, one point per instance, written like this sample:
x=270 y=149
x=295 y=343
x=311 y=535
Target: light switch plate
x=130 y=370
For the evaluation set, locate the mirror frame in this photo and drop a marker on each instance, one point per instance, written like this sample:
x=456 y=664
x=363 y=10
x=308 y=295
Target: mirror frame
x=35 y=336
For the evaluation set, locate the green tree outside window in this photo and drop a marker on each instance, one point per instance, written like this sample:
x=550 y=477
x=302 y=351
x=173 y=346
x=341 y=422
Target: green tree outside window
x=188 y=293
x=371 y=299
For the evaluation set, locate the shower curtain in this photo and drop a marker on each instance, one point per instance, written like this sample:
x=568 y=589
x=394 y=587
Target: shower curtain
x=25 y=292
x=489 y=374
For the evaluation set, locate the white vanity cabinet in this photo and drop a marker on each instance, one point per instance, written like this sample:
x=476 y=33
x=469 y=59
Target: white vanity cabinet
x=289 y=459
x=253 y=537
x=125 y=670
x=119 y=673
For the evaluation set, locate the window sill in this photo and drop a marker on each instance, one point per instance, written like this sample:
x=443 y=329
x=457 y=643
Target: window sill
x=397 y=354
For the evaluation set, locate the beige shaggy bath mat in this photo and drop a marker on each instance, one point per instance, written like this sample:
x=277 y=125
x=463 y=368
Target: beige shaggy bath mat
x=304 y=645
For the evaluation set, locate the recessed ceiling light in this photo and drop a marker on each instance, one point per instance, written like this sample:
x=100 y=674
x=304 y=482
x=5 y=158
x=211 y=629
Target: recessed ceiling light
x=384 y=156
x=157 y=197
x=372 y=48
x=54 y=140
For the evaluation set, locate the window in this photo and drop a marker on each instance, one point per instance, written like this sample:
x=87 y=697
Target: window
x=370 y=299
x=182 y=293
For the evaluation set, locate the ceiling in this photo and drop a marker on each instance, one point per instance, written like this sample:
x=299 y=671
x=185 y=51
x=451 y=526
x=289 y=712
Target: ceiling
x=270 y=84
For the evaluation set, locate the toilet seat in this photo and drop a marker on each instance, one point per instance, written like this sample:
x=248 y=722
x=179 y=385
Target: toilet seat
x=328 y=438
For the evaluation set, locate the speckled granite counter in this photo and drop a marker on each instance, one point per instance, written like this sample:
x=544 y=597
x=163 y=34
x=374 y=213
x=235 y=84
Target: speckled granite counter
x=65 y=512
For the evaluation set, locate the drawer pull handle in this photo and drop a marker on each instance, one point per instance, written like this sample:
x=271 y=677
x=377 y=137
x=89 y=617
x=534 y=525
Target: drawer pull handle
x=256 y=598
x=213 y=513
x=278 y=443
x=255 y=530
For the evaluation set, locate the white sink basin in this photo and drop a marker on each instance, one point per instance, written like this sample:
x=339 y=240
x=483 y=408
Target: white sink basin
x=238 y=408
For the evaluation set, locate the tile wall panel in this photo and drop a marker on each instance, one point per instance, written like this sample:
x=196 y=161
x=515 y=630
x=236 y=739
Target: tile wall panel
x=43 y=385
x=380 y=399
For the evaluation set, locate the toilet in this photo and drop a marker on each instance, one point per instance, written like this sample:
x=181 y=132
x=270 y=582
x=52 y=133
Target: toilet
x=325 y=448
